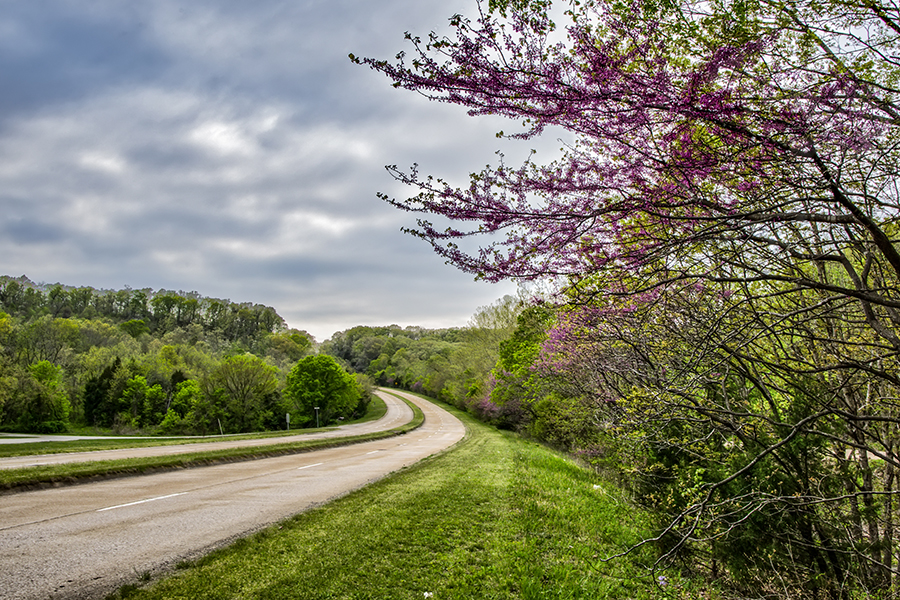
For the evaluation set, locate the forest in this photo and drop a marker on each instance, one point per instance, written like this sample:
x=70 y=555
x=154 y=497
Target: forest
x=158 y=362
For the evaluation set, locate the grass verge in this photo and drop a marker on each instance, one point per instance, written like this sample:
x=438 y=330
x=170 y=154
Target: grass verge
x=377 y=409
x=19 y=479
x=496 y=517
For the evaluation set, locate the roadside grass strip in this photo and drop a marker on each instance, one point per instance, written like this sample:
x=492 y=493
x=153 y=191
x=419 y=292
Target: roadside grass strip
x=495 y=517
x=377 y=409
x=71 y=473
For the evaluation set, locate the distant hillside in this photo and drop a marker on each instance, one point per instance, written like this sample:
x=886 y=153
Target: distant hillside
x=155 y=361
x=161 y=310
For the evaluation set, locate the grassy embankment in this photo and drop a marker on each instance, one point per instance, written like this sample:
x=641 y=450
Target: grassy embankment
x=496 y=517
x=11 y=479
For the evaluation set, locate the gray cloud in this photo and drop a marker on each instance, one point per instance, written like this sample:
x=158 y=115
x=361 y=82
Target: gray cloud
x=229 y=148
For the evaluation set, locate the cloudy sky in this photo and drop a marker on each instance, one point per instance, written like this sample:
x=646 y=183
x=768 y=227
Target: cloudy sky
x=231 y=148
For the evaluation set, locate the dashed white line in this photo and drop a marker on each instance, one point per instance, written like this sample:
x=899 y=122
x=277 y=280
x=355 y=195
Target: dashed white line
x=309 y=466
x=141 y=501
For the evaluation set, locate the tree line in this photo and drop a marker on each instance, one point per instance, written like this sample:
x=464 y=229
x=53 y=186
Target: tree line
x=452 y=365
x=160 y=362
x=140 y=311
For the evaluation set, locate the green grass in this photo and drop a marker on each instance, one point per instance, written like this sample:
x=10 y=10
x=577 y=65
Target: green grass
x=377 y=409
x=496 y=517
x=11 y=479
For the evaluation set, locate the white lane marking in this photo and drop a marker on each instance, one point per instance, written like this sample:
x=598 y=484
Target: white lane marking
x=309 y=466
x=141 y=501
x=373 y=452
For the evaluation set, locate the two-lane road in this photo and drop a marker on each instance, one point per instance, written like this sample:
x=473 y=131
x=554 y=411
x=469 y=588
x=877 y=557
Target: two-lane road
x=87 y=540
x=398 y=413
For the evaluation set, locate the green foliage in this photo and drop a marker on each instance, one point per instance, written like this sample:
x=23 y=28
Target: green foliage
x=96 y=395
x=146 y=403
x=186 y=412
x=38 y=401
x=135 y=328
x=319 y=381
x=565 y=422
x=121 y=356
x=516 y=383
x=245 y=389
x=288 y=346
x=160 y=312
x=452 y=365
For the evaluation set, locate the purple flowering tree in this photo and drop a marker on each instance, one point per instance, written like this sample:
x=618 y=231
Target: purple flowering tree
x=724 y=230
x=727 y=163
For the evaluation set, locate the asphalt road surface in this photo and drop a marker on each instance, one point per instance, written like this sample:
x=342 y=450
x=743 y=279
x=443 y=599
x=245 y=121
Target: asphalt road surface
x=397 y=414
x=85 y=541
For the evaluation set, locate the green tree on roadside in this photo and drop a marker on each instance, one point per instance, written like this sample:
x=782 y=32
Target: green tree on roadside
x=189 y=411
x=147 y=403
x=248 y=389
x=40 y=403
x=320 y=381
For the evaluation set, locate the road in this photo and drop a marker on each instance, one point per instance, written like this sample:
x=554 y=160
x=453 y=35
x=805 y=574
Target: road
x=397 y=414
x=85 y=541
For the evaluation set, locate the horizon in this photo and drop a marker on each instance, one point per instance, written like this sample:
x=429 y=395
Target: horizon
x=236 y=150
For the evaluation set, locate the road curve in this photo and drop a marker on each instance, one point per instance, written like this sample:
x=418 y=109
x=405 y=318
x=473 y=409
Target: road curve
x=87 y=540
x=398 y=413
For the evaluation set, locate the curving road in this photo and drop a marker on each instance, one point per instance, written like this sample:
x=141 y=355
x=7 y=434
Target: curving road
x=397 y=414
x=87 y=540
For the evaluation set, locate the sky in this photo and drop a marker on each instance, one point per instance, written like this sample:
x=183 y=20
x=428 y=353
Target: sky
x=231 y=148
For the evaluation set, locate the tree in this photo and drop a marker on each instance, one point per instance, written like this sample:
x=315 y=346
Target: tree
x=720 y=152
x=46 y=338
x=135 y=328
x=97 y=391
x=517 y=384
x=114 y=408
x=319 y=381
x=486 y=331
x=163 y=306
x=122 y=368
x=189 y=411
x=290 y=345
x=724 y=229
x=147 y=403
x=40 y=404
x=246 y=388
x=58 y=302
x=702 y=153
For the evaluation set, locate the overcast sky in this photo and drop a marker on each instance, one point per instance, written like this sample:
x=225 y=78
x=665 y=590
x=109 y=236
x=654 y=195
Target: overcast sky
x=231 y=148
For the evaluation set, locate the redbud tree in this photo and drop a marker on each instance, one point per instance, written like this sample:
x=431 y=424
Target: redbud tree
x=724 y=230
